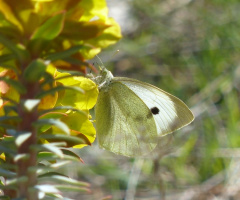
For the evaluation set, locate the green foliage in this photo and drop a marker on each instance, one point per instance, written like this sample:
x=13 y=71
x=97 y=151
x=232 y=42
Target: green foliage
x=39 y=40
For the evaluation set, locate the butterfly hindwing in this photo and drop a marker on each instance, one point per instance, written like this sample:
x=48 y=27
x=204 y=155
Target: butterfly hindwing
x=124 y=123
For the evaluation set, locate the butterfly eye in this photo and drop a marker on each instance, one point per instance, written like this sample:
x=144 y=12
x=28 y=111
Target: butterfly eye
x=155 y=110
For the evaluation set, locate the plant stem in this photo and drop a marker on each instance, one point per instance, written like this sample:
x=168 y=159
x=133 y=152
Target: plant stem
x=24 y=165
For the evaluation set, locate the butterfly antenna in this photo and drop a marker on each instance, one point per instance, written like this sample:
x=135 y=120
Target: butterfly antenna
x=116 y=52
x=100 y=62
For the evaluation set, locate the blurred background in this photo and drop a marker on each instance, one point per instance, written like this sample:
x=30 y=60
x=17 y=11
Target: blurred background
x=189 y=48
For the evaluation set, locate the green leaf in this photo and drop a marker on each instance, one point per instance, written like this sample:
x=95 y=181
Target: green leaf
x=7 y=173
x=95 y=8
x=30 y=104
x=55 y=197
x=34 y=70
x=15 y=133
x=58 y=88
x=84 y=101
x=51 y=28
x=5 y=197
x=12 y=132
x=81 y=126
x=74 y=61
x=84 y=30
x=4 y=149
x=22 y=138
x=18 y=51
x=69 y=188
x=49 y=156
x=61 y=164
x=62 y=126
x=4 y=187
x=52 y=157
x=24 y=156
x=64 y=108
x=71 y=140
x=15 y=181
x=9 y=67
x=64 y=54
x=63 y=179
x=110 y=36
x=7 y=57
x=50 y=174
x=8 y=146
x=8 y=166
x=12 y=118
x=47 y=189
x=50 y=147
x=50 y=168
x=8 y=109
x=10 y=100
x=15 y=84
x=10 y=31
x=7 y=126
x=68 y=151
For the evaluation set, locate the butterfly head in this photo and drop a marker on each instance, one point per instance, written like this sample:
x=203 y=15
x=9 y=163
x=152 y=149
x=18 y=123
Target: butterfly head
x=104 y=79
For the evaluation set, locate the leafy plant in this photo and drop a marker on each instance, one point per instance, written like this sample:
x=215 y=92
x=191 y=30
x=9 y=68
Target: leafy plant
x=45 y=98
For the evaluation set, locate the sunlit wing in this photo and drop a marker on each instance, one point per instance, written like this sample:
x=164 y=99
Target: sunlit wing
x=169 y=112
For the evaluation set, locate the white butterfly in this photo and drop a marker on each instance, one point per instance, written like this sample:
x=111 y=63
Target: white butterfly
x=131 y=115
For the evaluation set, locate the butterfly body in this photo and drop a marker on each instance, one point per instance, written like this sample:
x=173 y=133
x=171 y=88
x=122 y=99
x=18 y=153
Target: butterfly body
x=131 y=115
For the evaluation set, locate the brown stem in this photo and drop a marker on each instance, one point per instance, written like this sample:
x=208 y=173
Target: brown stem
x=24 y=165
x=24 y=168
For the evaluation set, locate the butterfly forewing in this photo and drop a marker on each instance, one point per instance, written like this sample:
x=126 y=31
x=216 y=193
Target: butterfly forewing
x=169 y=112
x=124 y=123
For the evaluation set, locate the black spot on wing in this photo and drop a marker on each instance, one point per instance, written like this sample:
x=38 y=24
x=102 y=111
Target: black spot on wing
x=155 y=110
